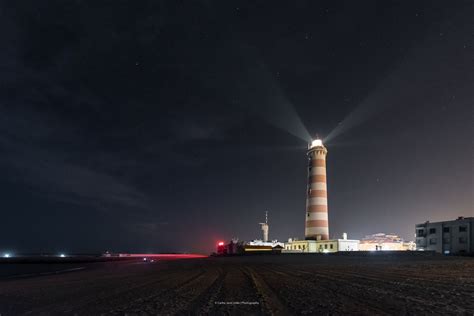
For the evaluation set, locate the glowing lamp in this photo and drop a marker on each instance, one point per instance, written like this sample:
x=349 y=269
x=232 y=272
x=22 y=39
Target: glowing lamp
x=316 y=142
x=221 y=243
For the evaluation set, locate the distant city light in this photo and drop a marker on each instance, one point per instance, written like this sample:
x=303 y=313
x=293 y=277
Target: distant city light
x=62 y=255
x=7 y=255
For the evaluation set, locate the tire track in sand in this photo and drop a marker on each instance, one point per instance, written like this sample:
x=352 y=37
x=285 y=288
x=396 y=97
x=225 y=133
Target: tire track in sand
x=204 y=302
x=162 y=299
x=269 y=300
x=325 y=298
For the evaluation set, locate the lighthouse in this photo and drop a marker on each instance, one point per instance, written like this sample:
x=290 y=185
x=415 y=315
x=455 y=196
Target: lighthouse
x=317 y=226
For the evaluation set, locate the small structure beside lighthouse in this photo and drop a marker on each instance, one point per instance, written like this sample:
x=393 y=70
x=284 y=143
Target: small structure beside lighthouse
x=265 y=228
x=262 y=245
x=317 y=225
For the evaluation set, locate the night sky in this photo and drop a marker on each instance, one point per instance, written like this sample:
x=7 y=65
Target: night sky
x=167 y=126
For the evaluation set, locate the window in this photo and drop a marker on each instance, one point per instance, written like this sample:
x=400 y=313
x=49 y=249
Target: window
x=330 y=246
x=326 y=246
x=420 y=232
x=446 y=240
x=445 y=229
x=433 y=241
x=308 y=214
x=462 y=240
x=462 y=229
x=432 y=230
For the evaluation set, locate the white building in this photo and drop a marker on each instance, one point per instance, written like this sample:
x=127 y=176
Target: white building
x=322 y=246
x=447 y=237
x=259 y=242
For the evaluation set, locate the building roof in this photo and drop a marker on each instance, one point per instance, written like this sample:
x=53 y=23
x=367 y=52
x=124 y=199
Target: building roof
x=460 y=218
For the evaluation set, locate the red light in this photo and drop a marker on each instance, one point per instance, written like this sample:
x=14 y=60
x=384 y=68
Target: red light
x=221 y=243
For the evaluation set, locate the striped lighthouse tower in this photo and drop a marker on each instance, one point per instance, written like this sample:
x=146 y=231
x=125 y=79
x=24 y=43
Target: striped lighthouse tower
x=317 y=226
